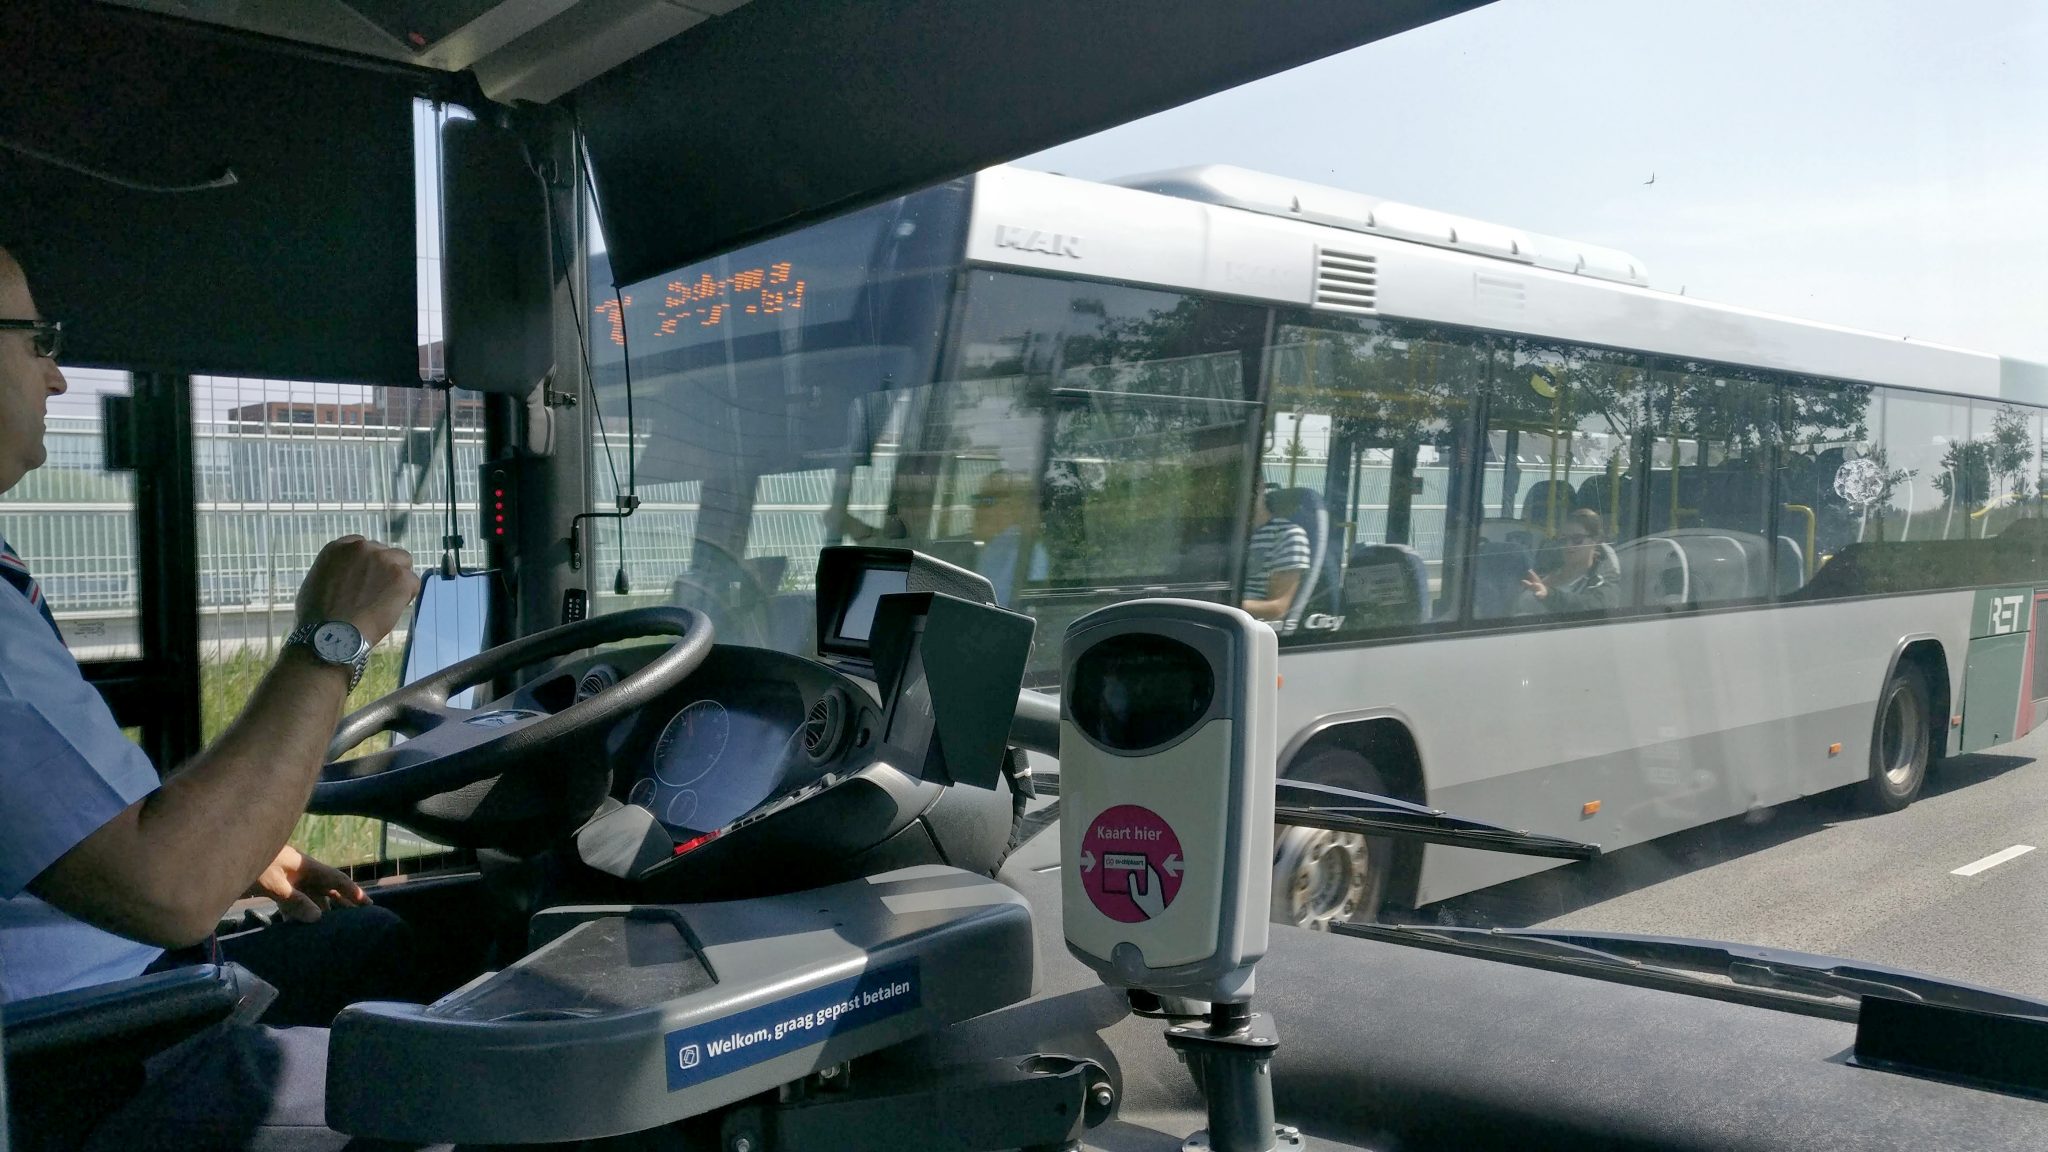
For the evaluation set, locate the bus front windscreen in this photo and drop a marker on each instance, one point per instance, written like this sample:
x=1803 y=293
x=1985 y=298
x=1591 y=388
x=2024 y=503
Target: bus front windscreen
x=764 y=390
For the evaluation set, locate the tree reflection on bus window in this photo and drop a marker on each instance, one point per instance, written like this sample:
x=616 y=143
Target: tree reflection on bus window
x=1562 y=436
x=1368 y=423
x=1119 y=420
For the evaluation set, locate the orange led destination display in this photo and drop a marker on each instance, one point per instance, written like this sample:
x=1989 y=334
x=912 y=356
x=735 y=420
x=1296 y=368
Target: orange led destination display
x=708 y=301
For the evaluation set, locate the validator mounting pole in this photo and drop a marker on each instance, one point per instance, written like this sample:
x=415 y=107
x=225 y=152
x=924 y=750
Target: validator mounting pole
x=1167 y=748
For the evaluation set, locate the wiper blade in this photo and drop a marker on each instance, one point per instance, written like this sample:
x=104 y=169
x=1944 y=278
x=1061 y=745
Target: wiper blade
x=1307 y=805
x=1749 y=965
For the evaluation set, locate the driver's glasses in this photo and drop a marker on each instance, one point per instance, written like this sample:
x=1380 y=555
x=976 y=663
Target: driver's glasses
x=46 y=336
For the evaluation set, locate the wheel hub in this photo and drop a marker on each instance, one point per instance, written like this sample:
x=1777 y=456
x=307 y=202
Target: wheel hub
x=1896 y=743
x=1319 y=877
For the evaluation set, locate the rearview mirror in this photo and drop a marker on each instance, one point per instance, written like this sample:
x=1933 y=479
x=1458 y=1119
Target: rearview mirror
x=447 y=628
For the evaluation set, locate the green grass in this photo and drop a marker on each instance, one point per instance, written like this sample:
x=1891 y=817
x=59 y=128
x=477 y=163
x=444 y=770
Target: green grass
x=225 y=685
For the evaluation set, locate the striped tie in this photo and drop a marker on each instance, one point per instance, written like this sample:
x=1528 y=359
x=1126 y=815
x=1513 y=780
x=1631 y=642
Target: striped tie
x=14 y=572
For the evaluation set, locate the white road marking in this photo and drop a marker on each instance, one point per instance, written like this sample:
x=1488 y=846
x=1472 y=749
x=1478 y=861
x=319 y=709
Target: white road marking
x=1993 y=860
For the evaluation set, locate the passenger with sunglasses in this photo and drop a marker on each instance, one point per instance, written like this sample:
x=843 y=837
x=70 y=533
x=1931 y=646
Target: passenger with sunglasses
x=1569 y=575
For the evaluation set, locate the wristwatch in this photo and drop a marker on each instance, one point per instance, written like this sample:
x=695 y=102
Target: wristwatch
x=336 y=642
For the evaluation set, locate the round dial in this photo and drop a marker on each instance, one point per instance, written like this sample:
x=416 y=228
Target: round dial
x=681 y=807
x=692 y=743
x=337 y=641
x=642 y=794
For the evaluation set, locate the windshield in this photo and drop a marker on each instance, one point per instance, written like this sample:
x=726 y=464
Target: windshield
x=1664 y=473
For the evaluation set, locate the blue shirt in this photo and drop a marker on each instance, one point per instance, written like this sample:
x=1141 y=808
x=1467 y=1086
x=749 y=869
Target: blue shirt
x=998 y=562
x=65 y=770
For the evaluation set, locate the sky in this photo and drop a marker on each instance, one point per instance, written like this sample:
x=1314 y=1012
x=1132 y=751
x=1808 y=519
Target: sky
x=1881 y=164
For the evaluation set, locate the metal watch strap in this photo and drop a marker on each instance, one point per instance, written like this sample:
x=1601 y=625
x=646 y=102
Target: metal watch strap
x=303 y=634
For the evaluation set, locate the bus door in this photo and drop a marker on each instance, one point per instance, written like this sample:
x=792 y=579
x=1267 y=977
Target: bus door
x=1091 y=444
x=1373 y=422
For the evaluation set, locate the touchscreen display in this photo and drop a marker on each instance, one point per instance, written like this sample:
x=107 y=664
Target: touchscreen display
x=875 y=583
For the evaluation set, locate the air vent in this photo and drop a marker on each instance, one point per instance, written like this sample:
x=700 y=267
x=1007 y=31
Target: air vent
x=1498 y=295
x=596 y=680
x=1347 y=281
x=825 y=727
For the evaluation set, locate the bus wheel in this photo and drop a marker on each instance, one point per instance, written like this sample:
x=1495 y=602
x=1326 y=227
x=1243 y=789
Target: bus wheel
x=1899 y=743
x=1322 y=878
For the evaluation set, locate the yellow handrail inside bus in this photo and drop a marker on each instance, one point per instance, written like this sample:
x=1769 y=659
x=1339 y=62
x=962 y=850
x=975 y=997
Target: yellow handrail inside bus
x=1812 y=525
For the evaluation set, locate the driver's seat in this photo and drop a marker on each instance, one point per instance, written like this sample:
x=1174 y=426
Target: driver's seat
x=72 y=1058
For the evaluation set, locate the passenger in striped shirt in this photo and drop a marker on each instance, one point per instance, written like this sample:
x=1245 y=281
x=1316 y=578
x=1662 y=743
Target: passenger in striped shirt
x=1275 y=562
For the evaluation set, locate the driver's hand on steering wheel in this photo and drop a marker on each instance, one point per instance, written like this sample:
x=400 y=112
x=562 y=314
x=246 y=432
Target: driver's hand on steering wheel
x=304 y=888
x=363 y=582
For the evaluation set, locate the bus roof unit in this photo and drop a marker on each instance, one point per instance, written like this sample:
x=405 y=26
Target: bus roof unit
x=1232 y=187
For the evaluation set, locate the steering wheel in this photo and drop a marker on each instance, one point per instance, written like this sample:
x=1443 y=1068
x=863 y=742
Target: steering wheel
x=450 y=749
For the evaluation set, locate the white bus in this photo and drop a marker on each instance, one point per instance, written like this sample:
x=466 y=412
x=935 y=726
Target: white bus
x=1815 y=567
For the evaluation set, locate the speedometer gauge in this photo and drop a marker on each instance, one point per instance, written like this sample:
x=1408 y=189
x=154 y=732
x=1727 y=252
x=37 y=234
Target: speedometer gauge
x=692 y=743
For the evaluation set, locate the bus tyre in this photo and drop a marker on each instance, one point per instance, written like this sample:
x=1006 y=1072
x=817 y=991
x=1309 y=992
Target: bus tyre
x=1322 y=878
x=1900 y=740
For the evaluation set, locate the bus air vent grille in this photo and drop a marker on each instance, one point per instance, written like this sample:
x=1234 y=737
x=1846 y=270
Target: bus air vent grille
x=1347 y=281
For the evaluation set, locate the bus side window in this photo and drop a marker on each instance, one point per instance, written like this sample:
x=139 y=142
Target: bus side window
x=1363 y=427
x=1560 y=475
x=1713 y=431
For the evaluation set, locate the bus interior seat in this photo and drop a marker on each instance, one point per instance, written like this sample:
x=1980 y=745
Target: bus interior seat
x=1385 y=585
x=1304 y=508
x=1598 y=493
x=1720 y=564
x=1654 y=572
x=1498 y=568
x=1720 y=568
x=1791 y=565
x=1536 y=505
x=1728 y=563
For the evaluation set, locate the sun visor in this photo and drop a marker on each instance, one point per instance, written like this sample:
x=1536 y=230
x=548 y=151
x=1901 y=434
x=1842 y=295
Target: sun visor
x=784 y=112
x=118 y=133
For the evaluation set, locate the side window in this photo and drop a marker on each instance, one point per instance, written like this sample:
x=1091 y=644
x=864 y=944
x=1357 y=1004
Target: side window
x=1833 y=479
x=1935 y=478
x=73 y=521
x=1367 y=423
x=1561 y=497
x=1713 y=432
x=283 y=467
x=1933 y=492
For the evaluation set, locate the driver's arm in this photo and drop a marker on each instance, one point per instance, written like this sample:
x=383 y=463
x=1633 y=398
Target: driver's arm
x=164 y=869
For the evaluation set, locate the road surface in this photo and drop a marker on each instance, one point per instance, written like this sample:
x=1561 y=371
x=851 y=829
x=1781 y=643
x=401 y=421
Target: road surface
x=1955 y=885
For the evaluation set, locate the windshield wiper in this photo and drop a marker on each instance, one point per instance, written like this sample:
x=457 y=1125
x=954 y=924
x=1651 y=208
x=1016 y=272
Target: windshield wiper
x=1746 y=965
x=1307 y=805
x=1036 y=726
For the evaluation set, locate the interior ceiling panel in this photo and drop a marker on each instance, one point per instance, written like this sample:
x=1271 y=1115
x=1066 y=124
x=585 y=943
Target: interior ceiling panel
x=519 y=49
x=117 y=135
x=711 y=123
x=788 y=111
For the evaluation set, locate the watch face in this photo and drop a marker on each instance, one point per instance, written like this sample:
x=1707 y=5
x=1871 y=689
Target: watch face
x=337 y=642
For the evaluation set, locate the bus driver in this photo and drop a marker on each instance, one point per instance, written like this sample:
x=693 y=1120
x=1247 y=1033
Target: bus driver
x=104 y=868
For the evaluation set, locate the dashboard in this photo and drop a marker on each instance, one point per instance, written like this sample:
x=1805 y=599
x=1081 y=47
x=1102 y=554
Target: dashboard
x=713 y=764
x=747 y=726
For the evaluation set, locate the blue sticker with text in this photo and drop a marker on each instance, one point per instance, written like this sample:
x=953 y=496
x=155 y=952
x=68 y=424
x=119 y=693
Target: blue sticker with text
x=727 y=1045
